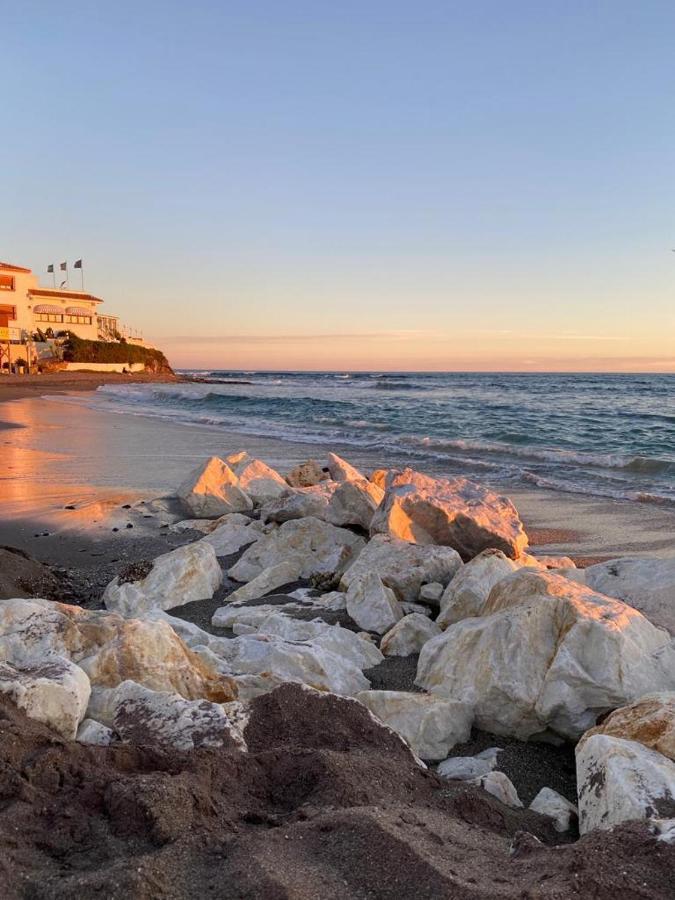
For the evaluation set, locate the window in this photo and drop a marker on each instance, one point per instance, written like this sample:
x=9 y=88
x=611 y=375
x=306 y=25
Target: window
x=78 y=320
x=6 y=282
x=48 y=317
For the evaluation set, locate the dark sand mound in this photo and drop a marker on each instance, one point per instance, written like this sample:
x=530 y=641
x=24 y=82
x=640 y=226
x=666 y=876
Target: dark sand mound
x=326 y=804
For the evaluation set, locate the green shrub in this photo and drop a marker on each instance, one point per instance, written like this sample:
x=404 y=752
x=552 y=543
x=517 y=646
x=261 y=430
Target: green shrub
x=79 y=350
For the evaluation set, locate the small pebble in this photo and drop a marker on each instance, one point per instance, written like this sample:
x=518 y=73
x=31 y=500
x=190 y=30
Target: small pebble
x=115 y=529
x=129 y=525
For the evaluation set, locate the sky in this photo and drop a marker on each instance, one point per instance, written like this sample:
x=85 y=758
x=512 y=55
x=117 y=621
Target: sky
x=354 y=185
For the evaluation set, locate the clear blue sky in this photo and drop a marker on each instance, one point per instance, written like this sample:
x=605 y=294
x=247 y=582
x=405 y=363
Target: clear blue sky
x=371 y=184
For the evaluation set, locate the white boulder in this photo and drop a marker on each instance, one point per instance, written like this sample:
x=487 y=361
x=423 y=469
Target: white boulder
x=468 y=768
x=341 y=470
x=431 y=593
x=402 y=566
x=371 y=605
x=469 y=589
x=552 y=804
x=143 y=716
x=212 y=490
x=649 y=720
x=645 y=583
x=232 y=532
x=409 y=635
x=500 y=786
x=260 y=482
x=547 y=653
x=270 y=579
x=621 y=781
x=316 y=546
x=52 y=690
x=188 y=573
x=430 y=725
x=300 y=503
x=354 y=503
x=453 y=512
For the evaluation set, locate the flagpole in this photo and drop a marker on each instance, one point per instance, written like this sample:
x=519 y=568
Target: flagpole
x=82 y=274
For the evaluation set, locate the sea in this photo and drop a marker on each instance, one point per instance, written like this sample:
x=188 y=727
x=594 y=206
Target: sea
x=599 y=435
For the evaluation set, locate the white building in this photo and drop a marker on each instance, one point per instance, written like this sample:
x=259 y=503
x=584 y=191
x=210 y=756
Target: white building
x=26 y=308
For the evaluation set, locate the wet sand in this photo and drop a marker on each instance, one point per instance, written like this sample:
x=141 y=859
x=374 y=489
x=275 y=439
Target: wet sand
x=59 y=454
x=15 y=387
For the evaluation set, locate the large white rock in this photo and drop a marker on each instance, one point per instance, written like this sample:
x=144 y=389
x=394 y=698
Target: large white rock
x=109 y=648
x=305 y=662
x=468 y=768
x=430 y=725
x=646 y=583
x=317 y=547
x=402 y=566
x=547 y=653
x=354 y=503
x=142 y=716
x=268 y=580
x=52 y=690
x=233 y=532
x=620 y=781
x=341 y=470
x=212 y=490
x=341 y=641
x=300 y=503
x=188 y=573
x=469 y=589
x=94 y=733
x=552 y=804
x=649 y=720
x=409 y=635
x=453 y=512
x=260 y=482
x=371 y=605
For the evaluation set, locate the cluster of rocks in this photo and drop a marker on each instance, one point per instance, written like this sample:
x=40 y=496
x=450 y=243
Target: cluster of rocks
x=518 y=646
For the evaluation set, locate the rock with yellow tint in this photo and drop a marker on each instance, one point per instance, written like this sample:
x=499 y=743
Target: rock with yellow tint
x=109 y=648
x=547 y=654
x=152 y=654
x=649 y=721
x=260 y=482
x=451 y=512
x=354 y=503
x=306 y=474
x=379 y=477
x=212 y=490
x=341 y=470
x=53 y=691
x=402 y=566
x=189 y=573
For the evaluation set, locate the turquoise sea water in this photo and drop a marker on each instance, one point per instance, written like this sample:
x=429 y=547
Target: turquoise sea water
x=602 y=435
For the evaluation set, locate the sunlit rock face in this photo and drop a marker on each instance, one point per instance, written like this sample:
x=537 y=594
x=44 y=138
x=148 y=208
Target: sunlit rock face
x=317 y=547
x=258 y=480
x=470 y=588
x=211 y=490
x=341 y=470
x=547 y=654
x=189 y=573
x=622 y=781
x=650 y=721
x=53 y=691
x=402 y=566
x=109 y=648
x=452 y=512
x=645 y=583
x=431 y=726
x=354 y=503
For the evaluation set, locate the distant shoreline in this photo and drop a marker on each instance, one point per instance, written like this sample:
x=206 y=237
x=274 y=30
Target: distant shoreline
x=16 y=387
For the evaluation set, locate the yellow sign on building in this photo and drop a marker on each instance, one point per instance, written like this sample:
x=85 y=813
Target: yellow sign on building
x=4 y=334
